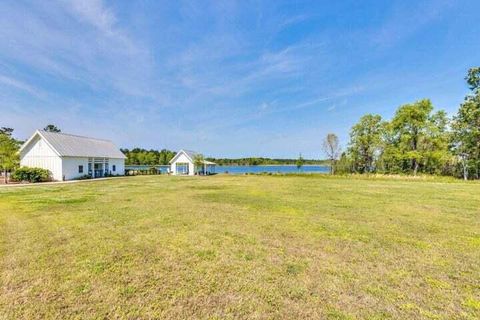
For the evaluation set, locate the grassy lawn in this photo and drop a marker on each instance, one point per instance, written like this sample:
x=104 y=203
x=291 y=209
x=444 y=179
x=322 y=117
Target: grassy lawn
x=256 y=247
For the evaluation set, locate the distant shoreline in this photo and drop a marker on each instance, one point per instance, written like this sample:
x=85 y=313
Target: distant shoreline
x=270 y=165
x=234 y=165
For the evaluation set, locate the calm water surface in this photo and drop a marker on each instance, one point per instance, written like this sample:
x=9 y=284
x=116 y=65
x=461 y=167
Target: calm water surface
x=270 y=168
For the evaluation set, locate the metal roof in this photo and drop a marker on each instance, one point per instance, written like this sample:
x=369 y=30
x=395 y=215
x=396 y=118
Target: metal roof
x=191 y=155
x=68 y=145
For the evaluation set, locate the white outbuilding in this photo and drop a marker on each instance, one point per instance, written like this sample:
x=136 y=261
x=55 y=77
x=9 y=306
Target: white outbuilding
x=69 y=156
x=184 y=164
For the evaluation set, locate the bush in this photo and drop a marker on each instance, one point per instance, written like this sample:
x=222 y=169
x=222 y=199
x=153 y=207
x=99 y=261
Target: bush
x=84 y=177
x=32 y=175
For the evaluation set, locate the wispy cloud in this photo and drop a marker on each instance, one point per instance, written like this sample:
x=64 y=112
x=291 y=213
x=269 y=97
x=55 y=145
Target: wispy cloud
x=289 y=21
x=332 y=107
x=407 y=19
x=93 y=12
x=97 y=58
x=17 y=84
x=320 y=100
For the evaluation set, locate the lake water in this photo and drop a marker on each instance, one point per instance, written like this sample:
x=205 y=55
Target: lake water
x=271 y=169
x=251 y=169
x=164 y=169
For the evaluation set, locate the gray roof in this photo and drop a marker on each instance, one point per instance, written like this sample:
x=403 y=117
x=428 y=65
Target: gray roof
x=68 y=145
x=191 y=154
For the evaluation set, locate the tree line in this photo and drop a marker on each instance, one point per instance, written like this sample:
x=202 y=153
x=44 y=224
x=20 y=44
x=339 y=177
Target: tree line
x=417 y=139
x=139 y=156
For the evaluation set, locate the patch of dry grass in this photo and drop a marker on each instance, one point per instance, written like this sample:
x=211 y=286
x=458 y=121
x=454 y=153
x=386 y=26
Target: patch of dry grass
x=256 y=247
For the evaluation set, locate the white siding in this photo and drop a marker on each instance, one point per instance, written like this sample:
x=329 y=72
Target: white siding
x=71 y=164
x=119 y=166
x=182 y=159
x=70 y=167
x=39 y=154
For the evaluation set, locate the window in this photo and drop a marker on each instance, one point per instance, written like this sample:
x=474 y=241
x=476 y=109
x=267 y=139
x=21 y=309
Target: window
x=114 y=168
x=80 y=169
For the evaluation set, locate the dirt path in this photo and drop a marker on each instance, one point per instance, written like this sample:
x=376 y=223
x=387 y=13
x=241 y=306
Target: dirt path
x=16 y=185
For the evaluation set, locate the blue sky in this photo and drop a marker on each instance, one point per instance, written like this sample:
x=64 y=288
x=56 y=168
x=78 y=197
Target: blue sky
x=228 y=78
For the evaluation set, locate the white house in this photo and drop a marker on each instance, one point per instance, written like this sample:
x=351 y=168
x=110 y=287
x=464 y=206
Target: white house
x=184 y=164
x=68 y=156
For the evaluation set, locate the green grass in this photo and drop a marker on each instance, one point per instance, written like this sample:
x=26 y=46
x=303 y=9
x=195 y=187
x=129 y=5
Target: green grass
x=256 y=247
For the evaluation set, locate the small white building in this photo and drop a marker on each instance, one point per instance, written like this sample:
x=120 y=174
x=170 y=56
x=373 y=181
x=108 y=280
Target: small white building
x=184 y=164
x=69 y=156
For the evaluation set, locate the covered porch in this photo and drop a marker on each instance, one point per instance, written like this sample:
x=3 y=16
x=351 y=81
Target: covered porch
x=98 y=167
x=207 y=168
x=182 y=168
x=188 y=168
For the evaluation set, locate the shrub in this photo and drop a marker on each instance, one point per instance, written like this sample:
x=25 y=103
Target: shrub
x=32 y=175
x=84 y=177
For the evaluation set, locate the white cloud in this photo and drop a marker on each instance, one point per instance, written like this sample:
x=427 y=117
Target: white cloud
x=93 y=12
x=103 y=58
x=332 y=107
x=408 y=19
x=20 y=85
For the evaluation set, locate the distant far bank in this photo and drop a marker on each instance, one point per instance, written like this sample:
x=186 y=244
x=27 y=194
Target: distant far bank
x=272 y=168
x=275 y=165
x=266 y=161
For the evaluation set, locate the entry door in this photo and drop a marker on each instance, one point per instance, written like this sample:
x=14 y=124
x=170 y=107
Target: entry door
x=182 y=168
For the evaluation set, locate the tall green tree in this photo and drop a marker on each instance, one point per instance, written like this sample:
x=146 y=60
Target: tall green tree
x=9 y=157
x=466 y=127
x=366 y=142
x=52 y=128
x=410 y=129
x=435 y=145
x=417 y=139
